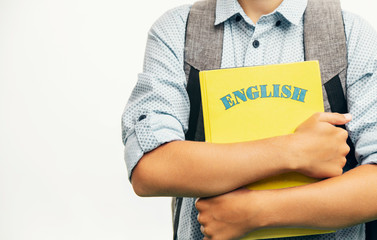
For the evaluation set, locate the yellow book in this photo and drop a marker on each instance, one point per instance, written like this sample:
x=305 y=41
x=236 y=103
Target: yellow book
x=251 y=103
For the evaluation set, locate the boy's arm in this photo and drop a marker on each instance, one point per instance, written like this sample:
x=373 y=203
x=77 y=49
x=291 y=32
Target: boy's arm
x=333 y=203
x=184 y=168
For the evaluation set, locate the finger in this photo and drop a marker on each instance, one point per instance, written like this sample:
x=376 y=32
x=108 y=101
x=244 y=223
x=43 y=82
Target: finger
x=335 y=118
x=343 y=162
x=343 y=133
x=202 y=229
x=346 y=149
x=197 y=203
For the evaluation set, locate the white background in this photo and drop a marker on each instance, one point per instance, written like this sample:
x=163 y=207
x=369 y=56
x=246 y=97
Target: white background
x=66 y=71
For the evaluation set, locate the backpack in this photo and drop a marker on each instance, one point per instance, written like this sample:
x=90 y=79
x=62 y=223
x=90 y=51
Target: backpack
x=203 y=51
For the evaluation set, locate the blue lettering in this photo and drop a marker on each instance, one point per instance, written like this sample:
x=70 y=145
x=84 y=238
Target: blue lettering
x=286 y=91
x=263 y=91
x=253 y=92
x=276 y=90
x=227 y=101
x=252 y=95
x=299 y=94
x=238 y=94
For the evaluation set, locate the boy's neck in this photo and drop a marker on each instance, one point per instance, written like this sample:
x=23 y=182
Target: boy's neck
x=254 y=9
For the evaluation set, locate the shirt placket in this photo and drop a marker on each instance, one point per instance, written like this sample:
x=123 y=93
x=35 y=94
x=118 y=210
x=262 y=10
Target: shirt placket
x=258 y=42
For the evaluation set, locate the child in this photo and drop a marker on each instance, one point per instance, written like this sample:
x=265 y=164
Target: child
x=161 y=162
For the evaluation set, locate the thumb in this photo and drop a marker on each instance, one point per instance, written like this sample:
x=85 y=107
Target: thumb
x=335 y=118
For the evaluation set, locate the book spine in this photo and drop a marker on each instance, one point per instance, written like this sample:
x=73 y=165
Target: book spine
x=206 y=123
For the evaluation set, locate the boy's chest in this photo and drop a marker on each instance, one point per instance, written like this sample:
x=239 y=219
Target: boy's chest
x=270 y=42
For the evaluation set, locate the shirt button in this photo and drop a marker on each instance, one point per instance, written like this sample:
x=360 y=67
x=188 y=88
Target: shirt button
x=256 y=44
x=238 y=18
x=142 y=117
x=278 y=23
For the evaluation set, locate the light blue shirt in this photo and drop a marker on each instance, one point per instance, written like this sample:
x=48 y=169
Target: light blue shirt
x=158 y=109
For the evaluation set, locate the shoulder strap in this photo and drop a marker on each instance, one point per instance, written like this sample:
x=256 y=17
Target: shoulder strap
x=324 y=37
x=203 y=51
x=325 y=41
x=204 y=40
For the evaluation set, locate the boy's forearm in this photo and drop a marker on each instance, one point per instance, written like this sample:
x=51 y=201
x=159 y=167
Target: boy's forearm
x=330 y=204
x=197 y=169
x=185 y=168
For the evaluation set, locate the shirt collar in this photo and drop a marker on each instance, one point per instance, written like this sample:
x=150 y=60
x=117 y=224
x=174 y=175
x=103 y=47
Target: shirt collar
x=291 y=10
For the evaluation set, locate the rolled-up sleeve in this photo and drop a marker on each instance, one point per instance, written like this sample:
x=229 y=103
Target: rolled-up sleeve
x=362 y=87
x=157 y=111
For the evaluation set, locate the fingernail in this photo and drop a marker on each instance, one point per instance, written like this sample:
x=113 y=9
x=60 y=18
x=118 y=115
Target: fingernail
x=348 y=116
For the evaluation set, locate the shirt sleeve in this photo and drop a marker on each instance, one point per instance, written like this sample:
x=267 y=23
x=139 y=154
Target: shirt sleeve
x=362 y=87
x=158 y=109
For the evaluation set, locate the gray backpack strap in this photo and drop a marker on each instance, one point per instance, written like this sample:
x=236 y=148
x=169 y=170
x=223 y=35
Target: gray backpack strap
x=204 y=40
x=325 y=41
x=203 y=51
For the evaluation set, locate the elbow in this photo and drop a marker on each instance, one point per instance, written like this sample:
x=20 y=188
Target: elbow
x=153 y=176
x=146 y=180
x=138 y=187
x=140 y=190
x=141 y=183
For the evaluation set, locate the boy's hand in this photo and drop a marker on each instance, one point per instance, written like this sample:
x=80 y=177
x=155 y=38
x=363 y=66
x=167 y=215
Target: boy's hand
x=321 y=147
x=228 y=216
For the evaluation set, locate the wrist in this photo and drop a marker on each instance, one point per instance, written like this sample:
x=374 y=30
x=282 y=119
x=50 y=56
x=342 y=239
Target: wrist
x=293 y=154
x=262 y=211
x=272 y=213
x=288 y=153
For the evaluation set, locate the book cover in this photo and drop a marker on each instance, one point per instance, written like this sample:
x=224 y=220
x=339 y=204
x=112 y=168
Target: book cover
x=251 y=103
